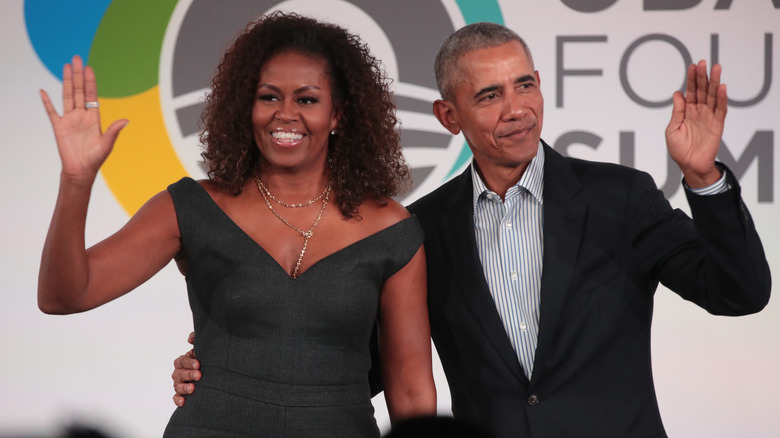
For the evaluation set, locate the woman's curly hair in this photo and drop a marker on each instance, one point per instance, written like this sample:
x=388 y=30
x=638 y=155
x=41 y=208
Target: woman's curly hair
x=365 y=153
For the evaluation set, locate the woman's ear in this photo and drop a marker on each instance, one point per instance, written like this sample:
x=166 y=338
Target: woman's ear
x=335 y=119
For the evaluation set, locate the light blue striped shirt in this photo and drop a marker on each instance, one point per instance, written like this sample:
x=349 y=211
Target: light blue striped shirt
x=510 y=240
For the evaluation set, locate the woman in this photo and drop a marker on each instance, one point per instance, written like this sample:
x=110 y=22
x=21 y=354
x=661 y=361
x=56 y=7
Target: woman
x=291 y=250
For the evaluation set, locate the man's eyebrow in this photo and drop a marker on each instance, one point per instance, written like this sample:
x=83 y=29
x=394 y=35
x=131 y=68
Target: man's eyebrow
x=486 y=90
x=492 y=88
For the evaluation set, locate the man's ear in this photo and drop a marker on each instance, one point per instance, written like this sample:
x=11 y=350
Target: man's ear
x=445 y=113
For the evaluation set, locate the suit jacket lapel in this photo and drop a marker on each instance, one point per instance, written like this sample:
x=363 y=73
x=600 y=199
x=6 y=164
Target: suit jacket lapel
x=459 y=241
x=564 y=219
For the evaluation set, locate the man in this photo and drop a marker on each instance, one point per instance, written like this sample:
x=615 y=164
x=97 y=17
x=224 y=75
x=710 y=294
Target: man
x=542 y=269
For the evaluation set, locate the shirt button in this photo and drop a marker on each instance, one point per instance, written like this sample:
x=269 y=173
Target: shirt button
x=523 y=325
x=513 y=274
x=533 y=400
x=508 y=225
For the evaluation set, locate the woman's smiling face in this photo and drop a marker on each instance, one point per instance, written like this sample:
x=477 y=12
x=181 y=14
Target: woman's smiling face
x=294 y=111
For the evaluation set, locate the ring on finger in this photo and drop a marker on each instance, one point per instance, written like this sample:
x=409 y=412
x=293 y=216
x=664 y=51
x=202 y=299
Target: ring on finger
x=92 y=104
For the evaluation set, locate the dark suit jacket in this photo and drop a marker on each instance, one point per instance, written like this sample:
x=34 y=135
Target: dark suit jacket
x=610 y=236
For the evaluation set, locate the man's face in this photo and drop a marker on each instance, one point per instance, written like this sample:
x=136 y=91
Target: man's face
x=498 y=105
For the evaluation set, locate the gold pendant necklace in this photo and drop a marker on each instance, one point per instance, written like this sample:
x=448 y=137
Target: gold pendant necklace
x=306 y=234
x=264 y=189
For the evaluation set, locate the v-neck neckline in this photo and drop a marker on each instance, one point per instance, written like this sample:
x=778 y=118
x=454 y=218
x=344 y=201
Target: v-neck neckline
x=233 y=223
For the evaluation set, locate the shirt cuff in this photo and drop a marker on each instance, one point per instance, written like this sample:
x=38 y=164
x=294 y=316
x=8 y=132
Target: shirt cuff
x=718 y=187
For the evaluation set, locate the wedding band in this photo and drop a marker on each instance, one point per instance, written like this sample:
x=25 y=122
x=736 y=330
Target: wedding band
x=91 y=104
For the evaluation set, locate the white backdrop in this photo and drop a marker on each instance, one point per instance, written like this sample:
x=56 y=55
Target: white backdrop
x=715 y=376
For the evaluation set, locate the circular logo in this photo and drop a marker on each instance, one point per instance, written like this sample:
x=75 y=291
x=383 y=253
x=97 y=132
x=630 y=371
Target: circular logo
x=155 y=59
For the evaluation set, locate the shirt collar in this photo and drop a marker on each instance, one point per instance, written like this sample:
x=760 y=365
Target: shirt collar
x=532 y=180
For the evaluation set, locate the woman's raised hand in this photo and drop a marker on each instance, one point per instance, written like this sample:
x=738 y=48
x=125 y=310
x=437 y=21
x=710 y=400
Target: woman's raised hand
x=82 y=146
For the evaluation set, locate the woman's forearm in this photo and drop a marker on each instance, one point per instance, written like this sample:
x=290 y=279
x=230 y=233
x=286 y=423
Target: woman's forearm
x=64 y=272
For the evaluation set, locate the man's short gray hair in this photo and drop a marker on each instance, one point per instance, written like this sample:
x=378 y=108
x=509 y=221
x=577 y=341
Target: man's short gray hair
x=466 y=39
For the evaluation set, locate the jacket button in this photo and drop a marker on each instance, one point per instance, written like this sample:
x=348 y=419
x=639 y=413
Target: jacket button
x=533 y=400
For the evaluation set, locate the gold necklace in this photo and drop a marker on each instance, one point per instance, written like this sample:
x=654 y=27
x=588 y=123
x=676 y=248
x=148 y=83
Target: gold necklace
x=264 y=189
x=306 y=234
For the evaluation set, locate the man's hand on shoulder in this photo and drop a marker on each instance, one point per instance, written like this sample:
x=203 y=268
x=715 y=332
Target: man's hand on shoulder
x=186 y=371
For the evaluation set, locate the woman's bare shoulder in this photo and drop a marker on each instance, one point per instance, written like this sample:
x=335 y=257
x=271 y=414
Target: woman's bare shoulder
x=161 y=205
x=210 y=186
x=383 y=213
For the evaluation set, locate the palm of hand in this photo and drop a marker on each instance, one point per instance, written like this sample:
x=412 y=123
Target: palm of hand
x=696 y=127
x=82 y=146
